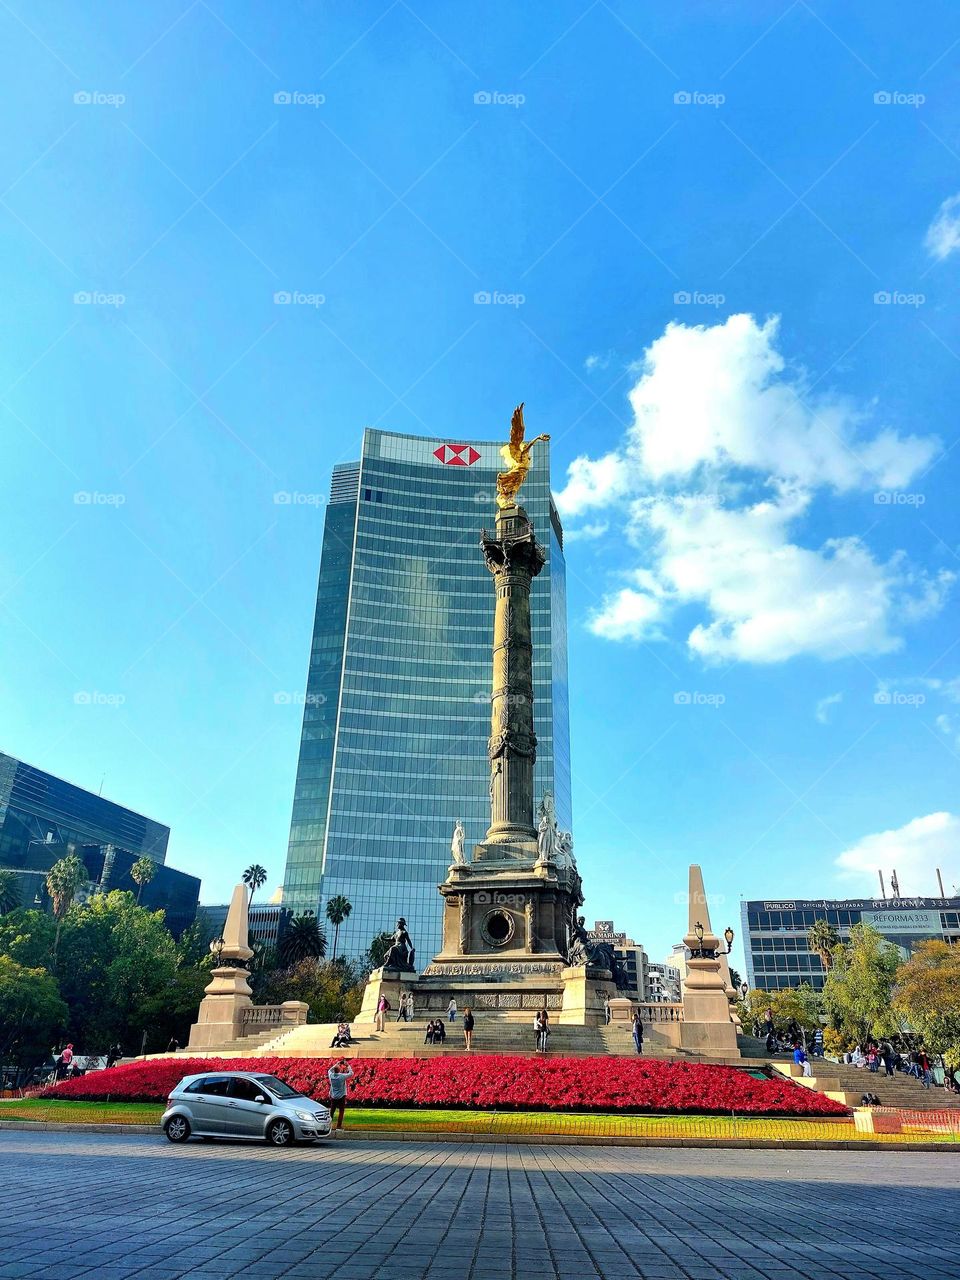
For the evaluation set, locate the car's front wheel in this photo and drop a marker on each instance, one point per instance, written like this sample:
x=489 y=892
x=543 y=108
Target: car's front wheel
x=177 y=1129
x=280 y=1133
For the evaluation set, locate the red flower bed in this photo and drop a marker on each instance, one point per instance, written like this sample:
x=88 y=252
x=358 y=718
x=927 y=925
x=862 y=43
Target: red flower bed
x=485 y=1081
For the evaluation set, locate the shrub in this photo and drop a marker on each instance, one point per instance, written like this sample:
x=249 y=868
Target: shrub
x=486 y=1081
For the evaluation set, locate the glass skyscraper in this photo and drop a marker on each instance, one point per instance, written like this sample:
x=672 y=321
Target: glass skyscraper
x=397 y=707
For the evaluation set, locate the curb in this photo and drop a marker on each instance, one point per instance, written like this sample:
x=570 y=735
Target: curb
x=524 y=1139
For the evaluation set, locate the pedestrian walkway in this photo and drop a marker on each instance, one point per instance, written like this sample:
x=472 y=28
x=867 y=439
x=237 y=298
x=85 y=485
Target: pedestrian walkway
x=412 y=1211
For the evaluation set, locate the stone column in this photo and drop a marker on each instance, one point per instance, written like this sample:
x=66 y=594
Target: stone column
x=514 y=557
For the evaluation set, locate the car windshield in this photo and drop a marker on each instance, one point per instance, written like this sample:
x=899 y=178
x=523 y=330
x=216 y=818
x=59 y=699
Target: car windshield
x=277 y=1087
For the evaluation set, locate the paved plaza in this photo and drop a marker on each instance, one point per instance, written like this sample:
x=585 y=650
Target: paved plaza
x=121 y=1207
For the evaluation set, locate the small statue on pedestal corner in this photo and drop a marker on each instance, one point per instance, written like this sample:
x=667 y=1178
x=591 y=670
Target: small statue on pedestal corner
x=401 y=953
x=456 y=844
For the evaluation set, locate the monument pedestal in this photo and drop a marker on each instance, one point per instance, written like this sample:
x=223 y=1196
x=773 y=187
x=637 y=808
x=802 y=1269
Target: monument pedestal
x=585 y=988
x=707 y=1027
x=220 y=1016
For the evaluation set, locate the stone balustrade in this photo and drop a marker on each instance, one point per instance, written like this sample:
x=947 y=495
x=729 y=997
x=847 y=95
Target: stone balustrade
x=292 y=1013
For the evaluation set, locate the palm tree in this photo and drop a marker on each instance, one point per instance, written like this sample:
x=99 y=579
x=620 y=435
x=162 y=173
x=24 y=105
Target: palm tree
x=9 y=892
x=302 y=939
x=63 y=880
x=822 y=938
x=338 y=908
x=142 y=872
x=255 y=877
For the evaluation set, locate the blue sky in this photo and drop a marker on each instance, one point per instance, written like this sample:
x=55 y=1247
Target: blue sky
x=762 y=515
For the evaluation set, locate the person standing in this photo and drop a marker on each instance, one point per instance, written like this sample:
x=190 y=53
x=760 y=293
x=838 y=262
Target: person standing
x=926 y=1071
x=541 y=1027
x=818 y=1043
x=115 y=1053
x=638 y=1031
x=452 y=1010
x=338 y=1075
x=468 y=1028
x=402 y=1008
x=886 y=1053
x=408 y=1014
x=606 y=1010
x=383 y=1008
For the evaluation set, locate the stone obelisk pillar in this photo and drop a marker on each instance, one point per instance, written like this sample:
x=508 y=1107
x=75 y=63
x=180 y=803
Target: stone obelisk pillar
x=514 y=558
x=707 y=1027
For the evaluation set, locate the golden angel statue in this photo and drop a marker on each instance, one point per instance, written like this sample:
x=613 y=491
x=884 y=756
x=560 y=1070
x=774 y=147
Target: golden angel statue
x=517 y=455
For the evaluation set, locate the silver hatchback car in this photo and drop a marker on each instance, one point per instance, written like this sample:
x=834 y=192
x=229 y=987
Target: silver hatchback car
x=242 y=1104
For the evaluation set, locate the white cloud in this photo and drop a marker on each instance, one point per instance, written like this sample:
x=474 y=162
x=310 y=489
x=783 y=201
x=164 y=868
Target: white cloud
x=597 y=362
x=943 y=234
x=587 y=532
x=717 y=409
x=720 y=397
x=627 y=615
x=914 y=851
x=822 y=711
x=944 y=724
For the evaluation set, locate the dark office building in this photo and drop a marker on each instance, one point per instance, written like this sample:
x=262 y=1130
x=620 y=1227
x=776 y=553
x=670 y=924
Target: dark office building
x=267 y=921
x=775 y=933
x=397 y=707
x=43 y=819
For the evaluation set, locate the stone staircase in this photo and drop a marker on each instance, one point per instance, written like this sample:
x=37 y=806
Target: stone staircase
x=491 y=1036
x=848 y=1084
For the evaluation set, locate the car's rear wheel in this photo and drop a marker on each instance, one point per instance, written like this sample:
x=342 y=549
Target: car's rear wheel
x=280 y=1133
x=177 y=1129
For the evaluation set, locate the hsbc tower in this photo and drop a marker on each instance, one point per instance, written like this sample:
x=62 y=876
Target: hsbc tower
x=397 y=706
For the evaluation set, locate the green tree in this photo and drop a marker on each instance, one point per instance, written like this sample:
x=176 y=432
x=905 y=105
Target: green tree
x=302 y=939
x=332 y=991
x=790 y=1004
x=858 y=992
x=31 y=1012
x=63 y=880
x=927 y=994
x=142 y=872
x=9 y=892
x=255 y=877
x=823 y=940
x=27 y=937
x=117 y=960
x=338 y=908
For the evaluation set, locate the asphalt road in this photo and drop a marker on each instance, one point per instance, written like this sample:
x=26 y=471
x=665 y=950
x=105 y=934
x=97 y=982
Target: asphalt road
x=114 y=1208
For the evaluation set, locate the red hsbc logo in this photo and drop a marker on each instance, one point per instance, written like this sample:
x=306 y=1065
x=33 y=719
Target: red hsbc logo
x=457 y=455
